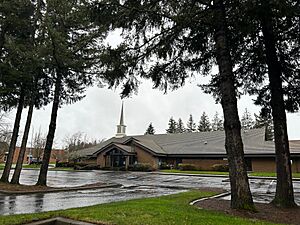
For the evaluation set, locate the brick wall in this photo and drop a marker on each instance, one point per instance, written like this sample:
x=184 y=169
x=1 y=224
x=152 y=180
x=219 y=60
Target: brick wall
x=101 y=160
x=145 y=157
x=296 y=165
x=263 y=165
x=269 y=165
x=55 y=154
x=204 y=164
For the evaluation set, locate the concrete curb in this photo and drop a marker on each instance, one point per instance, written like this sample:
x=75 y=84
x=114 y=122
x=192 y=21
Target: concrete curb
x=211 y=197
x=216 y=175
x=67 y=189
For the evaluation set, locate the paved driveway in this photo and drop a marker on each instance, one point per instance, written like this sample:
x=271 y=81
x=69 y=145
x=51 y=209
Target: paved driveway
x=135 y=185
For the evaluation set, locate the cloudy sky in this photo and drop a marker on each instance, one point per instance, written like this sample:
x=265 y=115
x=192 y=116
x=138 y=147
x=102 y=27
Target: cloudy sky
x=98 y=114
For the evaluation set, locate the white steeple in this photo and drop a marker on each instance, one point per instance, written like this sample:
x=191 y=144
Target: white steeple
x=121 y=128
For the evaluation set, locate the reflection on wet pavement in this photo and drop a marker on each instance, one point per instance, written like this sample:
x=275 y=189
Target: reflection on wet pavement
x=135 y=185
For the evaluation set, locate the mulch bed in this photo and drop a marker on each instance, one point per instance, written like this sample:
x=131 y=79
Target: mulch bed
x=266 y=212
x=31 y=189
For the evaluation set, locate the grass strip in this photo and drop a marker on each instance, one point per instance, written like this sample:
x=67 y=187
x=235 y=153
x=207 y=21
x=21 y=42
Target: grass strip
x=165 y=210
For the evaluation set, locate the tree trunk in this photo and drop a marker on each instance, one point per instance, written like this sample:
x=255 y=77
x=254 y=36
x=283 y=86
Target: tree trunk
x=241 y=197
x=284 y=196
x=16 y=176
x=50 y=137
x=12 y=146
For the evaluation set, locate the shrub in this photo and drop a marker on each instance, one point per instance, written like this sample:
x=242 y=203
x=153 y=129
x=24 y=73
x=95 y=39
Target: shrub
x=86 y=167
x=220 y=167
x=63 y=164
x=144 y=167
x=71 y=164
x=190 y=167
x=35 y=163
x=164 y=166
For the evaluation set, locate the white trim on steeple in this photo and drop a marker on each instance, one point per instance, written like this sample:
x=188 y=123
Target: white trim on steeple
x=121 y=128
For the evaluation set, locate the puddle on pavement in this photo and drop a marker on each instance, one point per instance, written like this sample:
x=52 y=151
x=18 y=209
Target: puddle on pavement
x=135 y=185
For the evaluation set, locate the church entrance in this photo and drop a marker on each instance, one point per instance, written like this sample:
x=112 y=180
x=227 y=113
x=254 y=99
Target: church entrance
x=118 y=159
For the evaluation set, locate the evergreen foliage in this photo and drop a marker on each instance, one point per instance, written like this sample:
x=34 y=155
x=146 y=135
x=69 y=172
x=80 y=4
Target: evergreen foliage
x=204 y=124
x=73 y=51
x=246 y=120
x=172 y=126
x=264 y=119
x=183 y=37
x=190 y=126
x=270 y=50
x=180 y=126
x=217 y=123
x=150 y=129
x=16 y=69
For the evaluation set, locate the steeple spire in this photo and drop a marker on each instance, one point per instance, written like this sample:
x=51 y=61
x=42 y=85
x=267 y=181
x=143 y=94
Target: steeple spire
x=121 y=128
x=122 y=115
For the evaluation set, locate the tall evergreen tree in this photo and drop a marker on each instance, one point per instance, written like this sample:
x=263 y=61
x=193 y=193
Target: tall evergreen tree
x=271 y=52
x=217 y=123
x=172 y=126
x=204 y=124
x=191 y=125
x=183 y=37
x=180 y=126
x=284 y=196
x=240 y=190
x=150 y=129
x=247 y=121
x=264 y=120
x=38 y=90
x=15 y=24
x=72 y=51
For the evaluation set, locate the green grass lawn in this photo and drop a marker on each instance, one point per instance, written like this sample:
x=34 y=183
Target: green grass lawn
x=172 y=209
x=195 y=172
x=270 y=174
x=34 y=166
x=257 y=174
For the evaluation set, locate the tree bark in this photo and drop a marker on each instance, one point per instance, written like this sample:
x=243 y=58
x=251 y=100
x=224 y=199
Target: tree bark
x=12 y=146
x=241 y=197
x=284 y=196
x=16 y=176
x=42 y=181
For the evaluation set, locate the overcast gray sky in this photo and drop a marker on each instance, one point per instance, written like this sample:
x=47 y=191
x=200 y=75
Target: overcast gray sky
x=98 y=114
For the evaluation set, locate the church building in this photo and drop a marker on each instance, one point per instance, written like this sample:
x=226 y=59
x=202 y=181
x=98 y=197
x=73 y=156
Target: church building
x=201 y=149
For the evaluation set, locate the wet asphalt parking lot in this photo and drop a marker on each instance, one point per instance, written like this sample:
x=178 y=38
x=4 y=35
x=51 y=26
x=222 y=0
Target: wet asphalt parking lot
x=134 y=185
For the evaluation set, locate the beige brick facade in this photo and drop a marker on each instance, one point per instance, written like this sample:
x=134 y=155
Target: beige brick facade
x=145 y=157
x=204 y=164
x=101 y=160
x=269 y=165
x=56 y=154
x=296 y=165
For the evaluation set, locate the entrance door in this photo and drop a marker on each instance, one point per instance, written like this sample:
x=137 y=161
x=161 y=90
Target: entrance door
x=118 y=160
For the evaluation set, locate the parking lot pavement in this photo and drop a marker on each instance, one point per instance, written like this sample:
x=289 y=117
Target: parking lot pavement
x=135 y=185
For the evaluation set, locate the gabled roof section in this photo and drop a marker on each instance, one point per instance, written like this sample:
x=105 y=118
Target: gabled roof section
x=149 y=144
x=124 y=148
x=199 y=143
x=89 y=152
